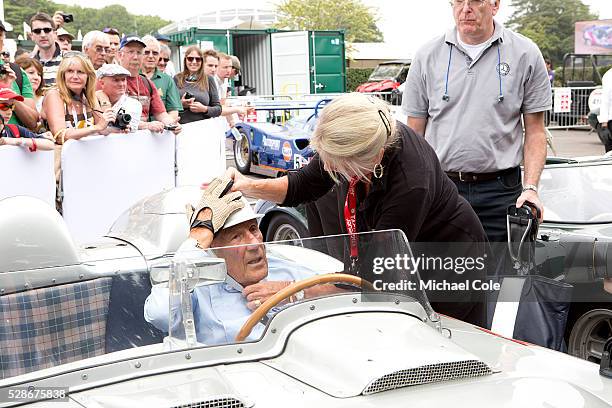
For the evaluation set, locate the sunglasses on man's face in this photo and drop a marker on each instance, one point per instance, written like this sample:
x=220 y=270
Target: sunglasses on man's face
x=6 y=106
x=5 y=54
x=193 y=59
x=46 y=30
x=164 y=59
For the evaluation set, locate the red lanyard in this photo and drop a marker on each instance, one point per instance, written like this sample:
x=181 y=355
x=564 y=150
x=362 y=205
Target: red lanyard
x=350 y=210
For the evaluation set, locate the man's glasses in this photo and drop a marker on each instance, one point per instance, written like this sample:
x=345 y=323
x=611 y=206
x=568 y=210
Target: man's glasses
x=5 y=54
x=46 y=30
x=193 y=59
x=6 y=106
x=102 y=50
x=470 y=3
x=131 y=53
x=149 y=52
x=164 y=59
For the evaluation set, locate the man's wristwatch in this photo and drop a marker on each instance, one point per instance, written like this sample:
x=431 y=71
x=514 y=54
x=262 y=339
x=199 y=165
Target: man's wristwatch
x=530 y=187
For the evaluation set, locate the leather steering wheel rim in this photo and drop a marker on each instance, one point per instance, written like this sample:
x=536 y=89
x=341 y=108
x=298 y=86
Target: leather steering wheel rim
x=291 y=290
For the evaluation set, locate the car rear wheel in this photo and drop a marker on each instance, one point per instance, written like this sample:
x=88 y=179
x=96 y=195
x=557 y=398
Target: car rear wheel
x=243 y=153
x=589 y=335
x=283 y=227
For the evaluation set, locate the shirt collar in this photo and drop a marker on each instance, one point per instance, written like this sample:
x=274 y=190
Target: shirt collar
x=56 y=54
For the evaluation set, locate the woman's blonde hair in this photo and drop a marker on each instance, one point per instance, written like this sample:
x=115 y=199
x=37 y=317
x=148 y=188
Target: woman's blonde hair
x=201 y=78
x=350 y=133
x=90 y=86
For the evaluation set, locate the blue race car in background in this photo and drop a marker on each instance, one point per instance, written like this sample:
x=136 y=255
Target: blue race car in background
x=271 y=149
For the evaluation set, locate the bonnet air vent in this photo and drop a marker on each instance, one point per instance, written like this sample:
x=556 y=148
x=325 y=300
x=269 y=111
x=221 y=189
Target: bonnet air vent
x=214 y=403
x=426 y=374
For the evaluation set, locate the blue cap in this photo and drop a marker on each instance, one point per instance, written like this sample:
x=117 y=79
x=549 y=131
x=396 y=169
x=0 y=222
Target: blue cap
x=130 y=38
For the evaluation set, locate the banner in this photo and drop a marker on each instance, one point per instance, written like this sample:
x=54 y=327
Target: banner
x=104 y=175
x=593 y=37
x=27 y=173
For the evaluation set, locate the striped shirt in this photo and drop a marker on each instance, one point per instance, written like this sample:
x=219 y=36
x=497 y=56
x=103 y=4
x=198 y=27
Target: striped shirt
x=50 y=67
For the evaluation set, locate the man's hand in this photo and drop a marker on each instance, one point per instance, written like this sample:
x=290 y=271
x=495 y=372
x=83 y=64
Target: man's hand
x=175 y=127
x=258 y=293
x=7 y=80
x=220 y=201
x=155 y=126
x=532 y=197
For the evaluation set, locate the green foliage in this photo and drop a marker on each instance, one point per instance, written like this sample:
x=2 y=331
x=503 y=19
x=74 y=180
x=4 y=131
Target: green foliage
x=356 y=77
x=550 y=24
x=357 y=20
x=85 y=19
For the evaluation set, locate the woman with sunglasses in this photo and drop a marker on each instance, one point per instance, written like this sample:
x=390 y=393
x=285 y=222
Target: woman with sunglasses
x=16 y=135
x=34 y=71
x=387 y=177
x=71 y=110
x=198 y=91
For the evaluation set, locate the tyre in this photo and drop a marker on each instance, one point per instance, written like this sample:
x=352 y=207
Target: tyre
x=283 y=227
x=589 y=334
x=243 y=153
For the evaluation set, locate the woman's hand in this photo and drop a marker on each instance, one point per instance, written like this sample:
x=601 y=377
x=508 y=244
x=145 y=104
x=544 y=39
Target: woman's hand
x=258 y=293
x=187 y=102
x=241 y=183
x=197 y=107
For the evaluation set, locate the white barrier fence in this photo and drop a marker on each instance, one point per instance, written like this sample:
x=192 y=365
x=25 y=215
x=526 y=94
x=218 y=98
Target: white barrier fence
x=103 y=176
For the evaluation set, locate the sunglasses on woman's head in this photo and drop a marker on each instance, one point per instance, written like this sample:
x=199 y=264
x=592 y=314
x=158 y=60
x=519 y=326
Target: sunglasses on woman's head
x=46 y=30
x=6 y=106
x=193 y=59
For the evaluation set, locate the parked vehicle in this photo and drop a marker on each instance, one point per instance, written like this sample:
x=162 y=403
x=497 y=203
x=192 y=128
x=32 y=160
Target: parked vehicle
x=577 y=198
x=272 y=149
x=89 y=346
x=387 y=77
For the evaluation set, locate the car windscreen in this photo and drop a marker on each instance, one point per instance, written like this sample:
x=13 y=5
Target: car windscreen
x=577 y=193
x=386 y=71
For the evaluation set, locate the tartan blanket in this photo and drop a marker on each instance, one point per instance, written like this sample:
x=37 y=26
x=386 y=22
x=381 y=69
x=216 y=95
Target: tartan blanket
x=50 y=326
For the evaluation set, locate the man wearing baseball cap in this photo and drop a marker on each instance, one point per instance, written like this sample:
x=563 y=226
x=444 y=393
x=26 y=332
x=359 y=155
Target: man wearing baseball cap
x=16 y=135
x=154 y=116
x=112 y=93
x=64 y=39
x=226 y=223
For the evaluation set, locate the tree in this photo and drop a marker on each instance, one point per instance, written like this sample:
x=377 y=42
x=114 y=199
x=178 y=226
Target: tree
x=550 y=24
x=357 y=20
x=85 y=18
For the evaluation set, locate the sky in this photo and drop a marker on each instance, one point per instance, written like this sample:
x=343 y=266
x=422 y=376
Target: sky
x=407 y=23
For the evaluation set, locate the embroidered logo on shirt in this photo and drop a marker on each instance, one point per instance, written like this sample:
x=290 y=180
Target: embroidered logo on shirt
x=503 y=69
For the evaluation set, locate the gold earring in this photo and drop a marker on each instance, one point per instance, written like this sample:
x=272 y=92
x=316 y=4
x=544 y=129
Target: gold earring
x=378 y=170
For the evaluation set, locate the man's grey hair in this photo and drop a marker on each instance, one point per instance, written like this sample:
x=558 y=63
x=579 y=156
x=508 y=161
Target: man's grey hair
x=165 y=48
x=151 y=41
x=92 y=37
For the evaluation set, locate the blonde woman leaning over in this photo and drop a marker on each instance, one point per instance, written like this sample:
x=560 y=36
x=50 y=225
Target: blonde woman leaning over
x=71 y=110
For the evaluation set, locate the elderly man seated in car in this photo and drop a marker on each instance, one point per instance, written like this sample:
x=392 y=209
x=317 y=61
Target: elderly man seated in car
x=220 y=310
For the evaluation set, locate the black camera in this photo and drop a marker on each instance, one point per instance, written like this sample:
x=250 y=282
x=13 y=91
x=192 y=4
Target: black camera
x=68 y=18
x=188 y=95
x=123 y=120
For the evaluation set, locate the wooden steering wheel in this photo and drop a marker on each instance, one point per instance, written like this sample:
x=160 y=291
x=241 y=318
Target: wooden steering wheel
x=291 y=290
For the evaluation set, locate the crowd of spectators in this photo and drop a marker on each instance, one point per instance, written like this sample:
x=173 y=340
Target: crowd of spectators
x=75 y=94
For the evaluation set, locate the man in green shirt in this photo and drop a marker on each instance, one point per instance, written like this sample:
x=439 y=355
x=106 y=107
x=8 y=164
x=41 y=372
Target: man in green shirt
x=25 y=112
x=165 y=85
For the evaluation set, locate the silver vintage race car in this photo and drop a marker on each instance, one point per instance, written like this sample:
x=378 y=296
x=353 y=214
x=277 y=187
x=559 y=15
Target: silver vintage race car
x=73 y=331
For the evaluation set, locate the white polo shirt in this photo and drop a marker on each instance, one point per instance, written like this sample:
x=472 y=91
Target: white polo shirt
x=473 y=131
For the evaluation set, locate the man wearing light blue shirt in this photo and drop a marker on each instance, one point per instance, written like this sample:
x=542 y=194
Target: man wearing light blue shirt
x=226 y=222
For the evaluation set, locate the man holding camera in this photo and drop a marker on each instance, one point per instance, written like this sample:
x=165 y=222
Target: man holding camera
x=112 y=81
x=139 y=87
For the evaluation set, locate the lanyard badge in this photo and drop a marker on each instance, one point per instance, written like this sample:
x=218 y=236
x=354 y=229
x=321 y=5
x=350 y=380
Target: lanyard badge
x=350 y=219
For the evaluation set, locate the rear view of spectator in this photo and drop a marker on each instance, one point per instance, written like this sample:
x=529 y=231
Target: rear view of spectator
x=198 y=91
x=34 y=71
x=15 y=135
x=114 y=39
x=64 y=39
x=70 y=110
x=96 y=45
x=166 y=87
x=49 y=52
